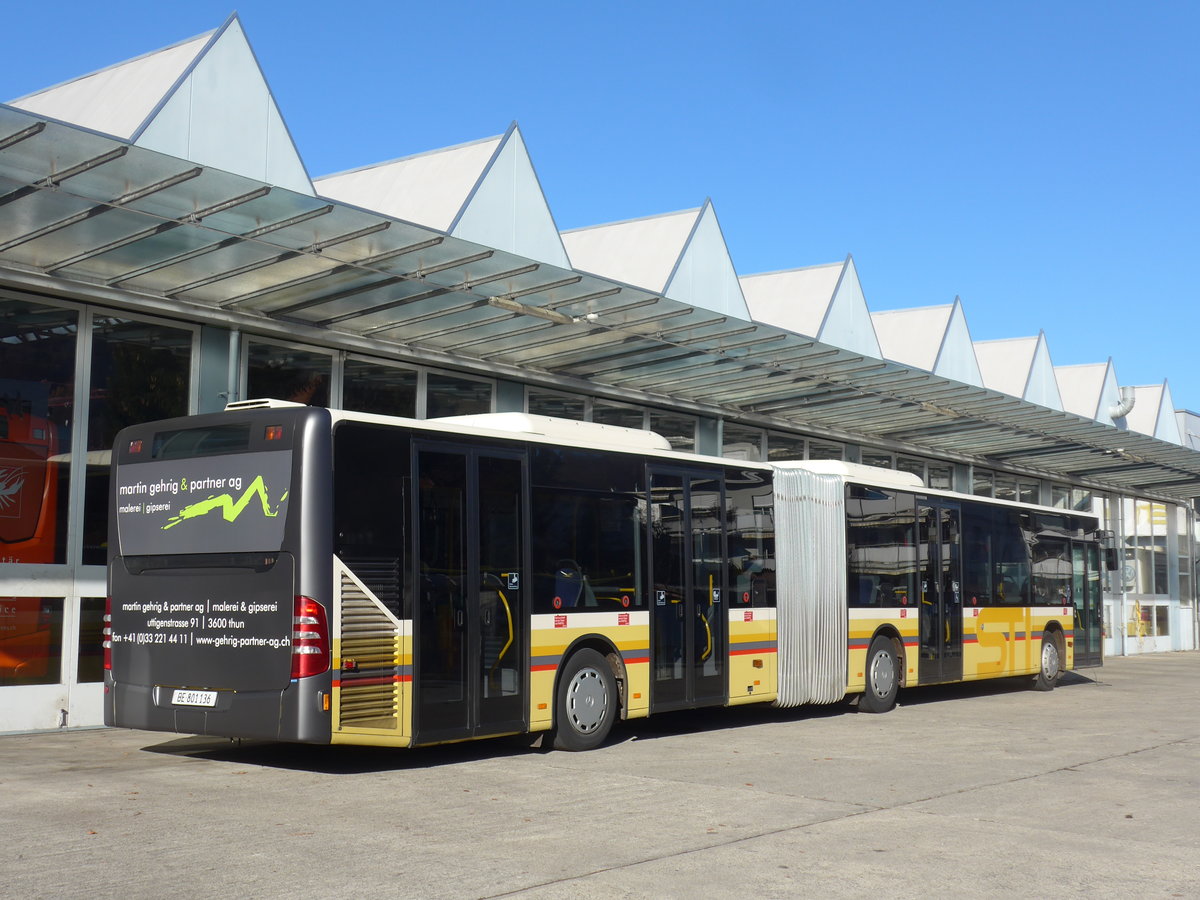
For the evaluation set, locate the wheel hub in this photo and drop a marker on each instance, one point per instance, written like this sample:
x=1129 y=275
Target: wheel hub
x=587 y=700
x=883 y=674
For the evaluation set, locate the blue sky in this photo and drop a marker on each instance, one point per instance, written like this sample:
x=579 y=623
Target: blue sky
x=1037 y=159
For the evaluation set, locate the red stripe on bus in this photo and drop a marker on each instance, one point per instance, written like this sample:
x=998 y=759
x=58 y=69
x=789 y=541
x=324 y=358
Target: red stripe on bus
x=733 y=652
x=637 y=659
x=549 y=667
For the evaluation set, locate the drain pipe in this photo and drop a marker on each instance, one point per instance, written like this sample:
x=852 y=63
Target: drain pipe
x=1122 y=409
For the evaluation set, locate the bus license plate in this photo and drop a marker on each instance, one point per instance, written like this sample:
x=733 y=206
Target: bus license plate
x=194 y=698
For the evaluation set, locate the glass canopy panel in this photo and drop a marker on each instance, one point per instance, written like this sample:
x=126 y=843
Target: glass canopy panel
x=103 y=225
x=258 y=277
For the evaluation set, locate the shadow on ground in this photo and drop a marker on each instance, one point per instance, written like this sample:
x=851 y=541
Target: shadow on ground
x=353 y=760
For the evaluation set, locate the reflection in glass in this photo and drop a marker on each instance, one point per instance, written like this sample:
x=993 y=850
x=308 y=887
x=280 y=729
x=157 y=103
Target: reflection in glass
x=37 y=359
x=941 y=478
x=819 y=450
x=981 y=483
x=91 y=640
x=140 y=372
x=287 y=373
x=374 y=388
x=446 y=395
x=679 y=430
x=30 y=640
x=881 y=549
x=740 y=442
x=561 y=406
x=624 y=416
x=782 y=446
x=1005 y=488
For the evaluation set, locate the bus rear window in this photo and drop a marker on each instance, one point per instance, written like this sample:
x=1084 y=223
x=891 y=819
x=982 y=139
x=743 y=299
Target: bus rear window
x=193 y=442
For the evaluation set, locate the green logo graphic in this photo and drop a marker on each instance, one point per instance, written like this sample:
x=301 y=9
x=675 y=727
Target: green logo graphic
x=230 y=509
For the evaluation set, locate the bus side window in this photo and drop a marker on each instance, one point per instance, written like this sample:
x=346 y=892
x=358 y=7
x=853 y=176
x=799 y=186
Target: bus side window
x=586 y=550
x=881 y=560
x=370 y=508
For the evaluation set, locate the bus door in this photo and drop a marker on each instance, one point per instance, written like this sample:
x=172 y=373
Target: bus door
x=1086 y=595
x=940 y=544
x=687 y=577
x=468 y=628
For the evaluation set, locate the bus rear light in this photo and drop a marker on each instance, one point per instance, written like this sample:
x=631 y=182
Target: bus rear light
x=273 y=432
x=310 y=639
x=107 y=632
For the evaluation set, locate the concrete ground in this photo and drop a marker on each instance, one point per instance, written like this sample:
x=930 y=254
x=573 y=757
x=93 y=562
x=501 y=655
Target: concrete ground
x=975 y=790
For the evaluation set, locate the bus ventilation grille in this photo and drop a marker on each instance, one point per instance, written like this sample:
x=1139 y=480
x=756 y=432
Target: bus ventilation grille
x=370 y=692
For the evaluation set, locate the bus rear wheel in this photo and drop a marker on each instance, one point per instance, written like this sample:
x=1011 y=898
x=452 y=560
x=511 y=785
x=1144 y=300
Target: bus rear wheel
x=586 y=702
x=1051 y=666
x=883 y=677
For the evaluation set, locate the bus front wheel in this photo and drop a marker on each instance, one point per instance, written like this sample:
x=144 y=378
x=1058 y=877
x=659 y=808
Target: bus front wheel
x=1051 y=666
x=586 y=703
x=883 y=677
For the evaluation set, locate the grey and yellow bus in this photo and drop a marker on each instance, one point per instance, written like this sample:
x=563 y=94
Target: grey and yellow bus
x=295 y=573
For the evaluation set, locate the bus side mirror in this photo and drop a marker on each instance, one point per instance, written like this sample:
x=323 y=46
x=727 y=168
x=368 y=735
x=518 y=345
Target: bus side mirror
x=1110 y=559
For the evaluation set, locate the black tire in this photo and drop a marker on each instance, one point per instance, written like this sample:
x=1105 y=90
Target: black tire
x=1051 y=663
x=883 y=677
x=586 y=702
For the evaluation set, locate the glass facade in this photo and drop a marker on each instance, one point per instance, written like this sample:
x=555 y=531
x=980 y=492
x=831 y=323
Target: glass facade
x=37 y=418
x=141 y=371
x=377 y=388
x=741 y=442
x=450 y=395
x=30 y=640
x=282 y=372
x=551 y=403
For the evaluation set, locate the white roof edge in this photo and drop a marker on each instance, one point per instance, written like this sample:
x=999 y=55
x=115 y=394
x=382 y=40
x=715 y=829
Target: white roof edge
x=1007 y=340
x=678 y=212
x=828 y=265
x=411 y=156
x=569 y=431
x=116 y=65
x=855 y=471
x=907 y=309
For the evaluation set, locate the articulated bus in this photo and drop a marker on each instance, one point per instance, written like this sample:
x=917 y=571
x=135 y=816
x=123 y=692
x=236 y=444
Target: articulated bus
x=295 y=573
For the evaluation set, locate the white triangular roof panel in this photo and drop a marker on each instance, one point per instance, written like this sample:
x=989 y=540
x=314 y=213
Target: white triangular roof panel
x=1146 y=408
x=848 y=320
x=429 y=189
x=116 y=100
x=640 y=252
x=704 y=275
x=956 y=357
x=223 y=115
x=796 y=300
x=1168 y=424
x=508 y=209
x=1153 y=413
x=1042 y=387
x=1081 y=387
x=912 y=337
x=1091 y=390
x=1188 y=424
x=1005 y=364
